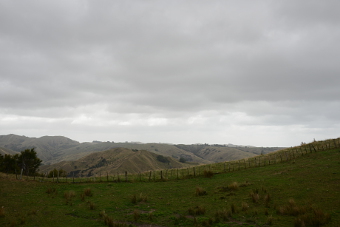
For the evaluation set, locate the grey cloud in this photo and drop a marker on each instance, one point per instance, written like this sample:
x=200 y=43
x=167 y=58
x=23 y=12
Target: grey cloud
x=170 y=67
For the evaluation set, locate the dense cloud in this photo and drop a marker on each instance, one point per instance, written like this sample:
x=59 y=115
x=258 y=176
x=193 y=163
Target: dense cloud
x=263 y=73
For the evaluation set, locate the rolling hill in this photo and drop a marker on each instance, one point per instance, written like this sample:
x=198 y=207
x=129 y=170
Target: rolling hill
x=54 y=149
x=113 y=161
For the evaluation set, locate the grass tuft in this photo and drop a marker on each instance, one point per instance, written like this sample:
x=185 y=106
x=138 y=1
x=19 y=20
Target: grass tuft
x=136 y=215
x=244 y=206
x=233 y=208
x=255 y=197
x=140 y=198
x=320 y=218
x=266 y=200
x=88 y=192
x=233 y=186
x=82 y=197
x=69 y=195
x=270 y=220
x=92 y=205
x=51 y=191
x=223 y=214
x=208 y=173
x=2 y=211
x=200 y=191
x=134 y=199
x=197 y=210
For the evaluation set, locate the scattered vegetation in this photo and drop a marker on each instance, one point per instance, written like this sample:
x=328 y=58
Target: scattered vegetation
x=305 y=215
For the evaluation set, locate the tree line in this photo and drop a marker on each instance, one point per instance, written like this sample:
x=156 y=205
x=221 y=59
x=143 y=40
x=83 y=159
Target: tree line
x=26 y=162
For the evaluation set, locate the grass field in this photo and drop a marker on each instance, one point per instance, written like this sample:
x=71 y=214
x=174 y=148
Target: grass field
x=301 y=192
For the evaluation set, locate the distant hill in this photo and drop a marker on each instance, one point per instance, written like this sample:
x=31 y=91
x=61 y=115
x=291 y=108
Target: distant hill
x=48 y=148
x=113 y=161
x=54 y=149
x=4 y=151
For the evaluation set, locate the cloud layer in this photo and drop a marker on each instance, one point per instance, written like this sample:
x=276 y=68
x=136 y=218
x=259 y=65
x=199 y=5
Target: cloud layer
x=262 y=73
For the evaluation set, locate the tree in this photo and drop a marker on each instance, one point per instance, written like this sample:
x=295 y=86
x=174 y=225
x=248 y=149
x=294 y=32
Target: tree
x=55 y=173
x=7 y=164
x=28 y=161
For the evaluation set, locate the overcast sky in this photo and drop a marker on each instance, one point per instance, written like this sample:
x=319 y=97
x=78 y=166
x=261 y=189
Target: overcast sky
x=262 y=73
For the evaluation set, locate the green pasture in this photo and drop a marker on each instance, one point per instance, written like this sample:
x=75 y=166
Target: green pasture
x=303 y=191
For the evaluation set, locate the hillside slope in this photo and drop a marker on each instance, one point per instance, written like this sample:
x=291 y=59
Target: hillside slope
x=113 y=161
x=54 y=149
x=47 y=147
x=4 y=151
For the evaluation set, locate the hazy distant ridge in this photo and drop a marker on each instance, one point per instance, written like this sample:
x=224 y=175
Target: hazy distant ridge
x=53 y=149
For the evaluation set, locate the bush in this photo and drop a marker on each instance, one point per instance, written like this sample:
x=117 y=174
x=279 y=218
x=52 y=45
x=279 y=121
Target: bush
x=163 y=159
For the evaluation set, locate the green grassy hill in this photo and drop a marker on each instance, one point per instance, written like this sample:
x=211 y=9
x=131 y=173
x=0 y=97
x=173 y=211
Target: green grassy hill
x=299 y=188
